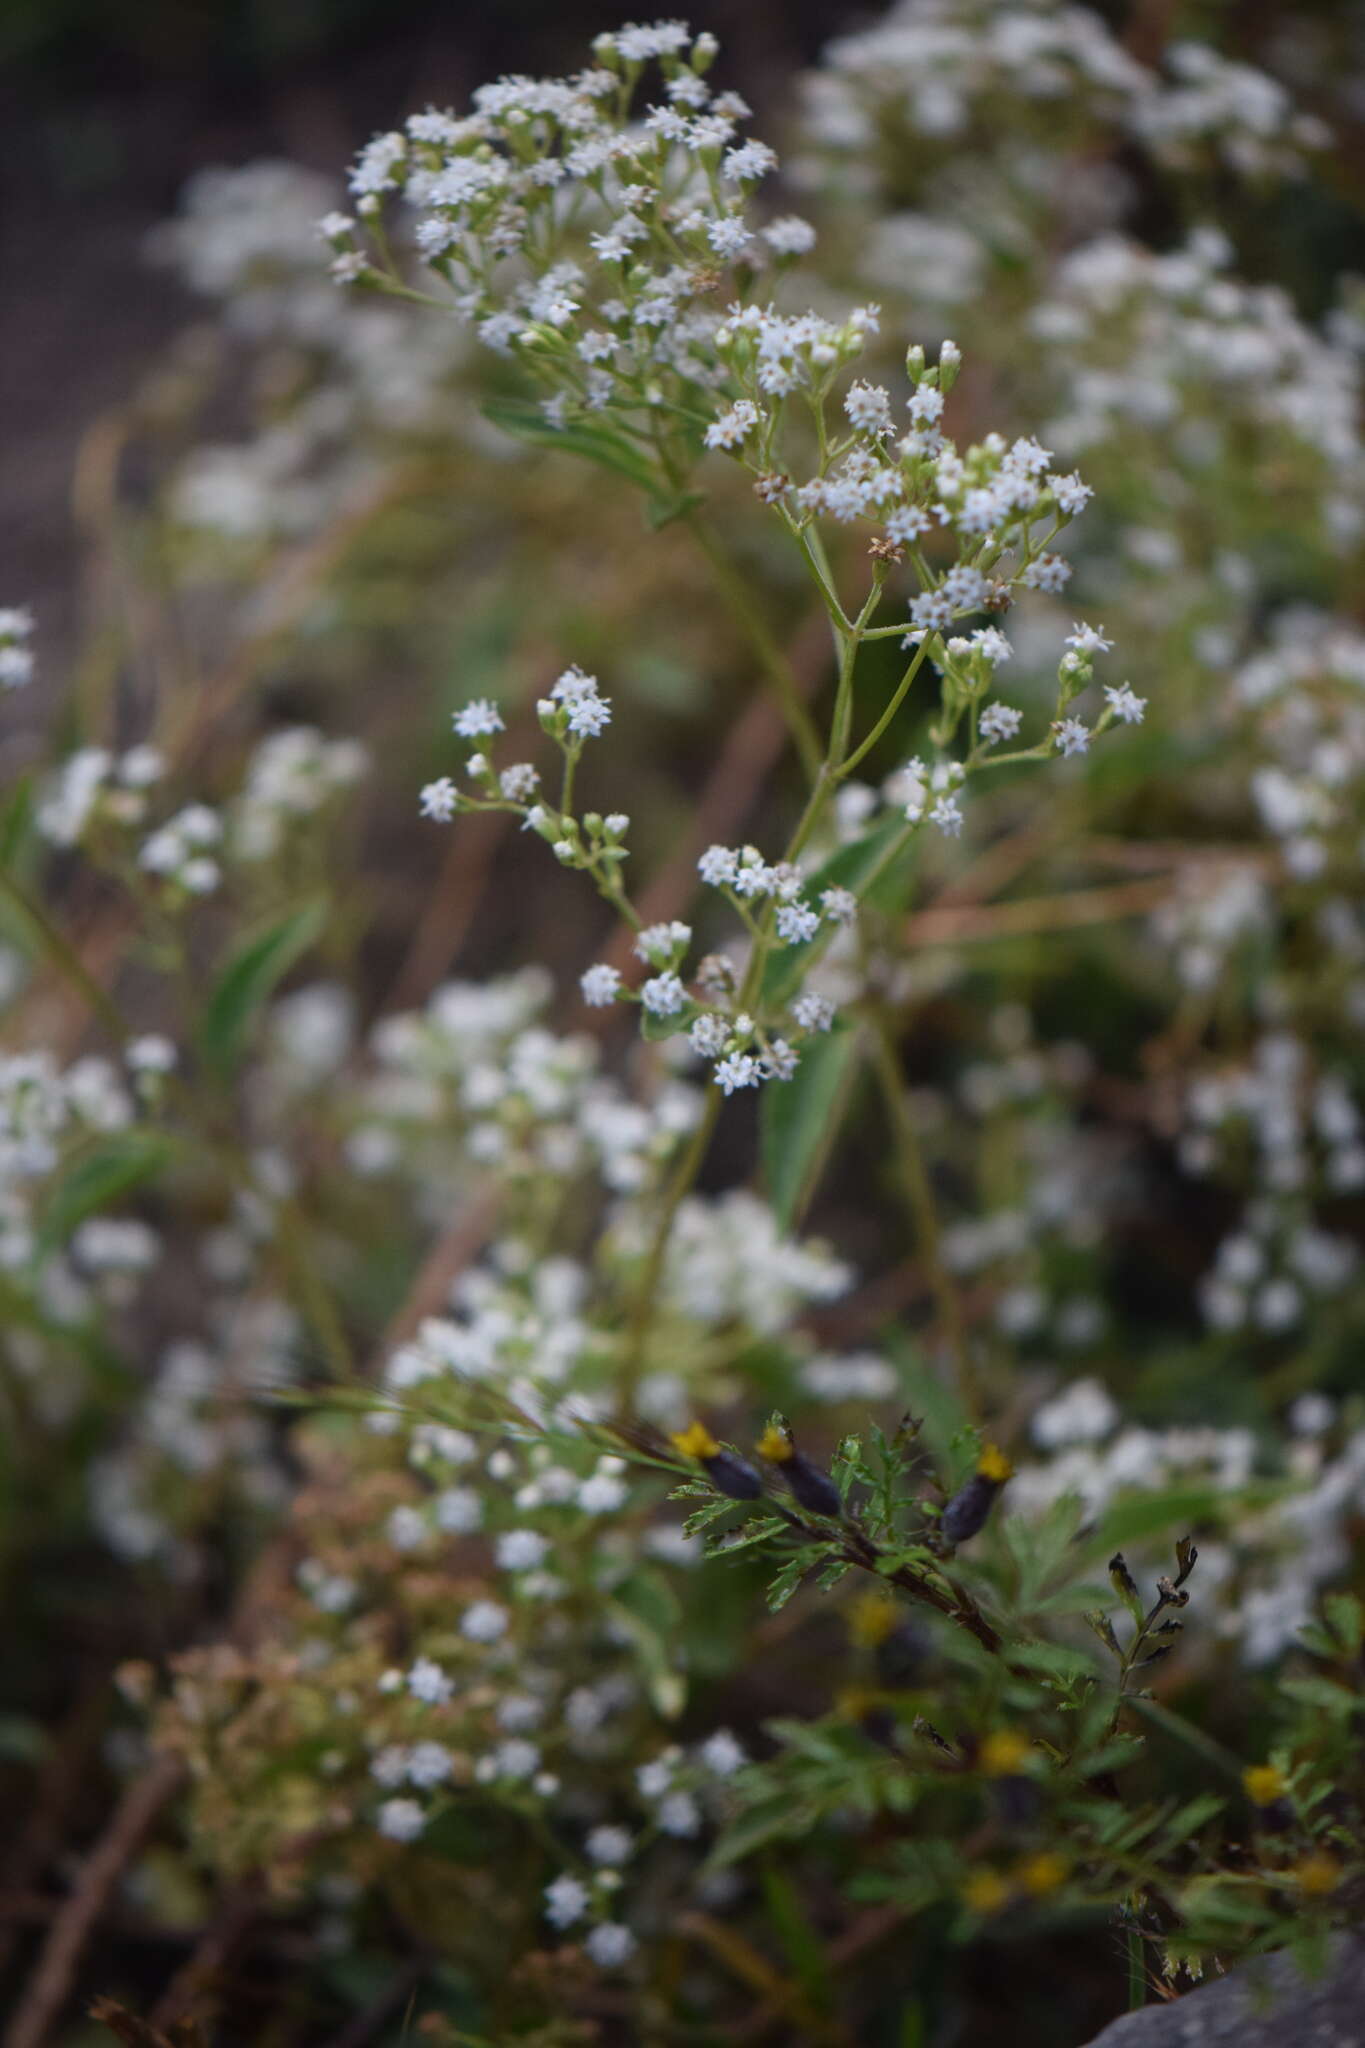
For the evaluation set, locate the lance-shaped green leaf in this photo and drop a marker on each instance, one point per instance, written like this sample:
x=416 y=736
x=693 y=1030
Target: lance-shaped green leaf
x=599 y=444
x=801 y=1118
x=97 y=1176
x=249 y=978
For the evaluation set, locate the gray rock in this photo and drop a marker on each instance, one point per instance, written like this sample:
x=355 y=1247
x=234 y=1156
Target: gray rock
x=1267 y=2003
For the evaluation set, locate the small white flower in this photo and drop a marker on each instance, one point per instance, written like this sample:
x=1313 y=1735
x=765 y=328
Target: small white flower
x=428 y=1764
x=1088 y=639
x=440 y=800
x=708 y=1036
x=813 y=1013
x=723 y=1753
x=402 y=1820
x=610 y=1945
x=515 y=1759
x=484 y=1622
x=459 y=1510
x=477 y=718
x=718 y=866
x=519 y=782
x=566 y=1900
x=521 y=1550
x=789 y=235
x=839 y=905
x=427 y=1682
x=150 y=1054
x=737 y=1070
x=1071 y=736
x=1125 y=704
x=1071 y=494
x=999 y=722
x=660 y=942
x=609 y=1845
x=589 y=716
x=869 y=408
x=601 y=1495
x=599 y=985
x=663 y=995
x=796 y=923
x=947 y=815
x=655 y=1778
x=679 y=1815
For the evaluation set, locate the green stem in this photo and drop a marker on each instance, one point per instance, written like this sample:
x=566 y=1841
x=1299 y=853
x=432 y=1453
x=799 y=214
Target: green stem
x=902 y=691
x=850 y=646
x=920 y=1200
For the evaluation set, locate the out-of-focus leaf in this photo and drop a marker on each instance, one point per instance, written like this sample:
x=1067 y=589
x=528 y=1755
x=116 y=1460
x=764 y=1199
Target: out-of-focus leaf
x=594 y=443
x=110 y=1167
x=250 y=976
x=801 y=1119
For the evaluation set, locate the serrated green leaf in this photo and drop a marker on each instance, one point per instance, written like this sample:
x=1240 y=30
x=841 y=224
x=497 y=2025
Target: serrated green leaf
x=249 y=978
x=746 y=1537
x=789 y=1579
x=800 y=1120
x=702 y=1518
x=110 y=1167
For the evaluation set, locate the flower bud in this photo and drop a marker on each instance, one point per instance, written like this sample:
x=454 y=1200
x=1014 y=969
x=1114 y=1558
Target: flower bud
x=726 y=1470
x=813 y=1489
x=969 y=1507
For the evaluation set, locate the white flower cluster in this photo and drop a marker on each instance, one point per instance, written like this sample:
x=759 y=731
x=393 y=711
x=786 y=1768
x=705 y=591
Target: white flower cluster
x=93 y=784
x=293 y=775
x=1176 y=322
x=947 y=70
x=527 y=1103
x=581 y=234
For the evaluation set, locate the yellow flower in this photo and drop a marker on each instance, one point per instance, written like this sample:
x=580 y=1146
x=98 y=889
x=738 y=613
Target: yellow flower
x=1004 y=1753
x=1263 y=1784
x=872 y=1619
x=1316 y=1874
x=985 y=1891
x=696 y=1441
x=1043 y=1873
x=994 y=1465
x=774 y=1444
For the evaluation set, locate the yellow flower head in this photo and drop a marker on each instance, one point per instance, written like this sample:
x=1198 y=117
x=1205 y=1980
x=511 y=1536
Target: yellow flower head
x=985 y=1891
x=1316 y=1874
x=1004 y=1753
x=775 y=1445
x=994 y=1465
x=696 y=1441
x=1038 y=1875
x=1263 y=1784
x=872 y=1619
